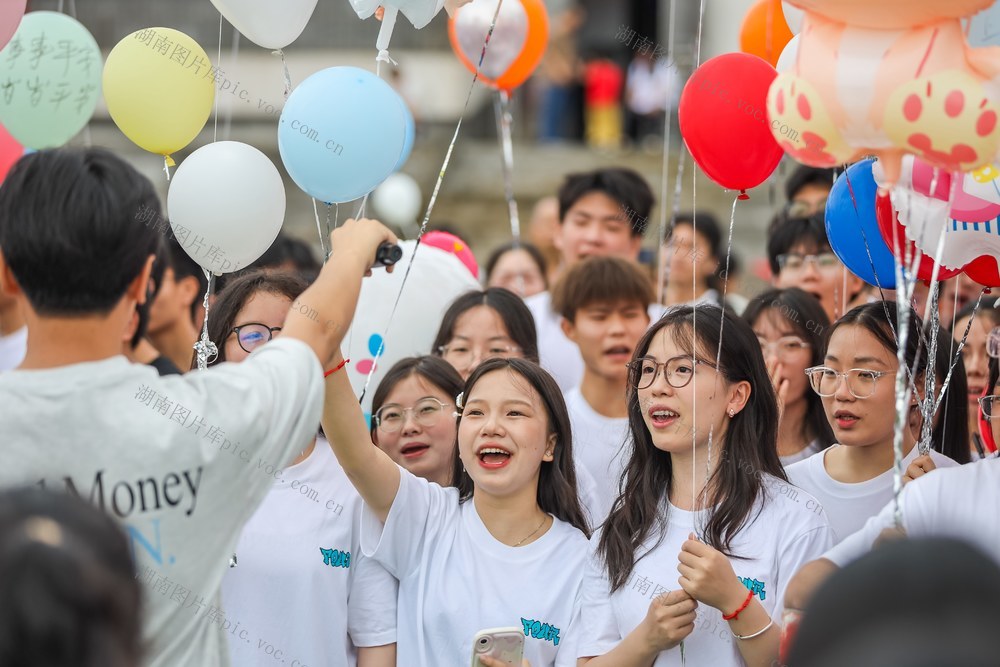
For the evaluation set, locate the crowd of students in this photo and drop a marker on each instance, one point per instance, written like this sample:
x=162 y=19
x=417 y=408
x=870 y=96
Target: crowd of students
x=627 y=481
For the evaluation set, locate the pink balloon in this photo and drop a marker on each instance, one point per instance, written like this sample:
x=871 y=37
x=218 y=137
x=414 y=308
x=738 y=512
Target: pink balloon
x=11 y=12
x=965 y=206
x=10 y=152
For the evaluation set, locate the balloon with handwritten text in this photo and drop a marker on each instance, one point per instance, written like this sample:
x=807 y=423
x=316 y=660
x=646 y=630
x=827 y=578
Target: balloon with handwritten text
x=51 y=80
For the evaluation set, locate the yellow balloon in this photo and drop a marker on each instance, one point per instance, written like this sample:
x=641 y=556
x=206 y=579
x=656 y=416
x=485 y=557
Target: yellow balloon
x=159 y=85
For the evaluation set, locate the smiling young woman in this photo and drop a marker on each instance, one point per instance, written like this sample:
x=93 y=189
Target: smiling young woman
x=455 y=559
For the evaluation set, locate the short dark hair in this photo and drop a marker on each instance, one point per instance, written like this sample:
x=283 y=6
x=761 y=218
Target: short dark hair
x=237 y=293
x=984 y=308
x=68 y=583
x=155 y=283
x=557 y=488
x=624 y=185
x=184 y=266
x=531 y=249
x=69 y=229
x=785 y=234
x=610 y=280
x=805 y=175
x=511 y=309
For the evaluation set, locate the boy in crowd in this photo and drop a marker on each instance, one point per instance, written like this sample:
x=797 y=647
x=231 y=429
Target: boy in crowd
x=176 y=459
x=176 y=313
x=807 y=190
x=602 y=213
x=604 y=304
x=800 y=256
x=13 y=334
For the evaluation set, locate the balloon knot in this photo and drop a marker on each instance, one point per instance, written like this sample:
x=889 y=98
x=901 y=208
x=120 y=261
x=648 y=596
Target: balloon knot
x=743 y=195
x=383 y=57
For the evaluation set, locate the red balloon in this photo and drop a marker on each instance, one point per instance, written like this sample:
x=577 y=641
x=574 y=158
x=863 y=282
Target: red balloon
x=984 y=271
x=723 y=119
x=10 y=152
x=891 y=229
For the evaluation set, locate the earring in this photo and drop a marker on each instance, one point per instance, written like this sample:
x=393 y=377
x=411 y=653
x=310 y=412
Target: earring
x=731 y=413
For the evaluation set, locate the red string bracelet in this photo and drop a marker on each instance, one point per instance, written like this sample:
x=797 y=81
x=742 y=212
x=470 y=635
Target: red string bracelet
x=339 y=366
x=733 y=616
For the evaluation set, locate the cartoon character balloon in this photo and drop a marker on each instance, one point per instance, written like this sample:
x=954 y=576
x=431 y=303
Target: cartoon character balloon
x=889 y=78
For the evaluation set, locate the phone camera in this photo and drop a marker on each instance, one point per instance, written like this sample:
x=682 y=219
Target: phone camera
x=484 y=645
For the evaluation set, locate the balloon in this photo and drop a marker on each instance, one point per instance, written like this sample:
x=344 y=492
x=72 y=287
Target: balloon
x=436 y=279
x=273 y=25
x=516 y=47
x=984 y=27
x=891 y=230
x=789 y=55
x=10 y=152
x=226 y=205
x=793 y=17
x=764 y=32
x=408 y=139
x=159 y=85
x=454 y=245
x=417 y=12
x=723 y=121
x=398 y=200
x=853 y=230
x=342 y=131
x=11 y=12
x=889 y=79
x=52 y=80
x=974 y=197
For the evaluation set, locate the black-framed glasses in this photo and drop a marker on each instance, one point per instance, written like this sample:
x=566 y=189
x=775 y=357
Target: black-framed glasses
x=988 y=404
x=784 y=347
x=678 y=371
x=860 y=381
x=253 y=334
x=426 y=412
x=825 y=261
x=993 y=343
x=461 y=355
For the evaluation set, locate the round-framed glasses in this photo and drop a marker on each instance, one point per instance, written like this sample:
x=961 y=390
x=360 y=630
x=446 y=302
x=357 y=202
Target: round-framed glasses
x=784 y=347
x=678 y=371
x=461 y=355
x=253 y=335
x=860 y=381
x=426 y=412
x=990 y=407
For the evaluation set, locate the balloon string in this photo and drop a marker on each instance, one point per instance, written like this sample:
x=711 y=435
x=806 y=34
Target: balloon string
x=502 y=109
x=167 y=164
x=284 y=70
x=433 y=199
x=667 y=132
x=234 y=52
x=319 y=229
x=205 y=349
x=384 y=37
x=215 y=135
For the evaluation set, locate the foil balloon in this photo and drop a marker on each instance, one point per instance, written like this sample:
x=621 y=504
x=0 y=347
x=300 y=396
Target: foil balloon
x=886 y=79
x=516 y=46
x=894 y=233
x=974 y=197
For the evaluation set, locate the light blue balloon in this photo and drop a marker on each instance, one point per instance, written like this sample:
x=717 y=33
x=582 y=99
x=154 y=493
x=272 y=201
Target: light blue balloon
x=411 y=130
x=984 y=28
x=341 y=133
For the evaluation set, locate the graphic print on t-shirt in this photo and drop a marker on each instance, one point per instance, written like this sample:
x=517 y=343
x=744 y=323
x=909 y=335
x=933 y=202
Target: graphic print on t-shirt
x=336 y=558
x=754 y=586
x=539 y=630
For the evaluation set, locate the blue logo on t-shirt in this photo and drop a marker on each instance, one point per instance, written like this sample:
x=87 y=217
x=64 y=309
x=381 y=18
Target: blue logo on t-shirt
x=335 y=558
x=540 y=630
x=756 y=587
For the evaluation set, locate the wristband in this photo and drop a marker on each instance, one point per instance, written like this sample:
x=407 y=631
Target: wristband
x=736 y=614
x=756 y=634
x=339 y=366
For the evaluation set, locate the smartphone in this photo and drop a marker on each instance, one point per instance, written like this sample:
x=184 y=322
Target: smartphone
x=504 y=644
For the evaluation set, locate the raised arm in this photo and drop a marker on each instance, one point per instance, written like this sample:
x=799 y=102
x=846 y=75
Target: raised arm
x=371 y=471
x=322 y=314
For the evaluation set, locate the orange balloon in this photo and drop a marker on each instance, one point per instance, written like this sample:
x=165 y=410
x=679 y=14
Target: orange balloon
x=765 y=32
x=531 y=54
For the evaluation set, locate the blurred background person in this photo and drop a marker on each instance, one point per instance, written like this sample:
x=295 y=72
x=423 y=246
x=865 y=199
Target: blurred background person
x=176 y=314
x=648 y=85
x=603 y=81
x=518 y=267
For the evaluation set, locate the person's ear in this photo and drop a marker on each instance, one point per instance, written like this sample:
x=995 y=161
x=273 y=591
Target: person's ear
x=189 y=289
x=739 y=396
x=8 y=283
x=138 y=289
x=568 y=328
x=550 y=448
x=854 y=284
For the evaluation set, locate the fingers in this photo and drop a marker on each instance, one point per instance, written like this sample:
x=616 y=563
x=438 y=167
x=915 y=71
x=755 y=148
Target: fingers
x=693 y=546
x=379 y=13
x=674 y=598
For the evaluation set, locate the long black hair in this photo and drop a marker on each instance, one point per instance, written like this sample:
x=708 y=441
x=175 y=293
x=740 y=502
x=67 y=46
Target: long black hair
x=950 y=435
x=557 y=493
x=509 y=306
x=748 y=451
x=806 y=317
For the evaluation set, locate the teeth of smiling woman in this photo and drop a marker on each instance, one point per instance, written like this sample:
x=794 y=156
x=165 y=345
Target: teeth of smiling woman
x=664 y=414
x=493 y=450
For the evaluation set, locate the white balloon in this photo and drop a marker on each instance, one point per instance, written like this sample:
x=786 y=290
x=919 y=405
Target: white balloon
x=472 y=24
x=789 y=55
x=398 y=200
x=269 y=23
x=418 y=12
x=226 y=204
x=436 y=279
x=793 y=17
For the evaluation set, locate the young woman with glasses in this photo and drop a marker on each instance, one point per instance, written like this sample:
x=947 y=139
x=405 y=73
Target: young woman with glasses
x=298 y=578
x=790 y=326
x=704 y=496
x=413 y=419
x=505 y=547
x=853 y=479
x=478 y=326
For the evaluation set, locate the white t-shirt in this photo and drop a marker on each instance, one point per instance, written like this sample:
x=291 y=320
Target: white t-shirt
x=789 y=530
x=181 y=460
x=602 y=447
x=300 y=582
x=810 y=449
x=961 y=502
x=456 y=579
x=850 y=505
x=12 y=349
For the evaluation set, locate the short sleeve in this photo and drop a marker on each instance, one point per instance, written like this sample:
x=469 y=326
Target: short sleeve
x=597 y=629
x=858 y=544
x=371 y=604
x=417 y=515
x=806 y=547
